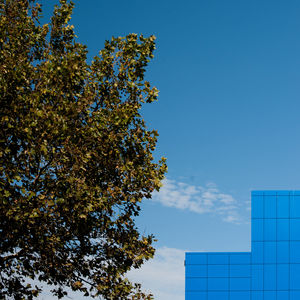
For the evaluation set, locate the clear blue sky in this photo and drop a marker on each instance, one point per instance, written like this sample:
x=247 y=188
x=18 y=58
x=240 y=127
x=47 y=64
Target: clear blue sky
x=228 y=111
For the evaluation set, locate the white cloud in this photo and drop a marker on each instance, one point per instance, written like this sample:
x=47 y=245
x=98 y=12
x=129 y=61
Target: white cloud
x=199 y=199
x=163 y=275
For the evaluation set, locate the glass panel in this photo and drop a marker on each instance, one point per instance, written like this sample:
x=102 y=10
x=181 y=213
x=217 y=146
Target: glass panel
x=240 y=271
x=295 y=207
x=294 y=295
x=295 y=229
x=218 y=284
x=282 y=295
x=257 y=277
x=240 y=258
x=283 y=204
x=240 y=284
x=257 y=252
x=270 y=277
x=196 y=271
x=195 y=258
x=218 y=259
x=240 y=295
x=218 y=295
x=195 y=295
x=295 y=277
x=295 y=252
x=283 y=252
x=256 y=295
x=270 y=229
x=196 y=284
x=257 y=206
x=270 y=295
x=218 y=271
x=283 y=277
x=270 y=206
x=270 y=252
x=283 y=226
x=257 y=229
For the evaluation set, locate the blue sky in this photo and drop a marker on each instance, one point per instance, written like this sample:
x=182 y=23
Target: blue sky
x=228 y=116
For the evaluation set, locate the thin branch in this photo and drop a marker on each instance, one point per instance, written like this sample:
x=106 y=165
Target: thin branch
x=41 y=171
x=12 y=256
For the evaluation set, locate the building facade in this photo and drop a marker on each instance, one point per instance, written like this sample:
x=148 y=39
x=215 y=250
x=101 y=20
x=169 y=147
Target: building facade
x=271 y=271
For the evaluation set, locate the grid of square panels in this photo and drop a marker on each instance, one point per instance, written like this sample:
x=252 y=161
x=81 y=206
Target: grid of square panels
x=273 y=271
x=212 y=276
x=276 y=244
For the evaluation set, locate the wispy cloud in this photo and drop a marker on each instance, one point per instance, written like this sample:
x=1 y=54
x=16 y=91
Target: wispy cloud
x=199 y=199
x=163 y=275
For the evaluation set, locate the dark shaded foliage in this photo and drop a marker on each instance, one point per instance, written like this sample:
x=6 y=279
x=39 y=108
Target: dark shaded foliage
x=75 y=157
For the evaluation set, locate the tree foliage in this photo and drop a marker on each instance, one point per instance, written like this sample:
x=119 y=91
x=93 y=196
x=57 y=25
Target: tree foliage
x=75 y=157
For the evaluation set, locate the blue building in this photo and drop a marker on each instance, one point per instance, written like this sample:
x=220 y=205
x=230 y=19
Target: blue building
x=271 y=271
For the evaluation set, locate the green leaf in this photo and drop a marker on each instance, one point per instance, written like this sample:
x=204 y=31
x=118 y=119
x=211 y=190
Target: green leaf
x=76 y=158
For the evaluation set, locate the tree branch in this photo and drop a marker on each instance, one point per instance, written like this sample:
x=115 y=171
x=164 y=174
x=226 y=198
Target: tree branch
x=12 y=256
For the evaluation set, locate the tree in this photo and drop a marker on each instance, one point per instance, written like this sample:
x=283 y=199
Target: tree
x=76 y=158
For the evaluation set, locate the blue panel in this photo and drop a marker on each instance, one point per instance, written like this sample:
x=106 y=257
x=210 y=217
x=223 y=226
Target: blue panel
x=270 y=206
x=269 y=295
x=283 y=233
x=283 y=207
x=256 y=193
x=270 y=229
x=282 y=295
x=295 y=207
x=218 y=259
x=295 y=252
x=218 y=295
x=270 y=192
x=257 y=277
x=270 y=277
x=283 y=252
x=270 y=252
x=295 y=229
x=256 y=295
x=284 y=193
x=257 y=252
x=218 y=271
x=240 y=271
x=294 y=295
x=196 y=284
x=218 y=284
x=240 y=258
x=257 y=206
x=240 y=284
x=195 y=295
x=257 y=230
x=239 y=295
x=195 y=258
x=196 y=270
x=283 y=277
x=295 y=277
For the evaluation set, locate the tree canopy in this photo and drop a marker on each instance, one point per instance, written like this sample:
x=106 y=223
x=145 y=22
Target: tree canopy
x=76 y=158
